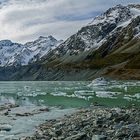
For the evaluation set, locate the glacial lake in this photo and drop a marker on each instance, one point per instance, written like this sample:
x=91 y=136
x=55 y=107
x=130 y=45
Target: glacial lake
x=71 y=94
x=61 y=98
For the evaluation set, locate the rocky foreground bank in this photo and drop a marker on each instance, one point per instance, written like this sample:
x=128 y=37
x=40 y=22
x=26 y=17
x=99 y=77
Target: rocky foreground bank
x=97 y=123
x=18 y=121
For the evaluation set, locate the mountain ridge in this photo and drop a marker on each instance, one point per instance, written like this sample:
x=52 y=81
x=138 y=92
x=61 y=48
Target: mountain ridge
x=108 y=46
x=15 y=54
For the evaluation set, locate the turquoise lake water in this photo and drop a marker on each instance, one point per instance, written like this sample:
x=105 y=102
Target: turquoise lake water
x=69 y=94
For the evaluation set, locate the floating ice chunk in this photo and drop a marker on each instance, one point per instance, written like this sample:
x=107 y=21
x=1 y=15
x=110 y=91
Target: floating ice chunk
x=89 y=97
x=42 y=93
x=41 y=101
x=98 y=82
x=127 y=98
x=71 y=96
x=59 y=93
x=131 y=97
x=27 y=88
x=38 y=90
x=126 y=88
x=107 y=94
x=137 y=95
x=19 y=93
x=84 y=92
x=81 y=97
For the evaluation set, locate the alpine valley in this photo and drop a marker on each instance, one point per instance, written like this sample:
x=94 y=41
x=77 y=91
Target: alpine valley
x=108 y=46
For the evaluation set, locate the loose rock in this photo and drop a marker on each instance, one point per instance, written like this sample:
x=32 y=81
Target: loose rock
x=95 y=123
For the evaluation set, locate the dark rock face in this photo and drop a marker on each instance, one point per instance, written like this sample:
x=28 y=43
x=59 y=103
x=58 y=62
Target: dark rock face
x=92 y=124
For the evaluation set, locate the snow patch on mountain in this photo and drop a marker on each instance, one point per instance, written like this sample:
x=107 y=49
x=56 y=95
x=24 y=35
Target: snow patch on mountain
x=120 y=15
x=116 y=15
x=135 y=11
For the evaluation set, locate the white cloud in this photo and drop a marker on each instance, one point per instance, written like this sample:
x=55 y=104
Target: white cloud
x=25 y=20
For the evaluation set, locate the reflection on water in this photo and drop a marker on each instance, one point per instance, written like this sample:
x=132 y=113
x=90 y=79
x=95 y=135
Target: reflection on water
x=71 y=94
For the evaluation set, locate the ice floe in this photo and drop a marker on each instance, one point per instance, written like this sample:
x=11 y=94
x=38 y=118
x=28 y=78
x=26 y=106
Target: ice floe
x=107 y=94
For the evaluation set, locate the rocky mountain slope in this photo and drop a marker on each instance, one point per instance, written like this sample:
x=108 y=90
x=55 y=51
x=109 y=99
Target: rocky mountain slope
x=111 y=43
x=108 y=46
x=101 y=30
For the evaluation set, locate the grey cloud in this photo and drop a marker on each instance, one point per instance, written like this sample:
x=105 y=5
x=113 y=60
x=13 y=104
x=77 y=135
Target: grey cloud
x=25 y=20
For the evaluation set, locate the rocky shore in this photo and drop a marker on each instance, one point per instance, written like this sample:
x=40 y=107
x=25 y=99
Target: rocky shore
x=18 y=121
x=95 y=123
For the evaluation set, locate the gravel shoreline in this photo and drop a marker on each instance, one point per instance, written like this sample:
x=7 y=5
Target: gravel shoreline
x=17 y=121
x=95 y=123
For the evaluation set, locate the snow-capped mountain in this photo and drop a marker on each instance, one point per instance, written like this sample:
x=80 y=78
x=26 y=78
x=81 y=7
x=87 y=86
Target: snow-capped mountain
x=9 y=52
x=14 y=54
x=115 y=15
x=107 y=46
x=41 y=47
x=104 y=27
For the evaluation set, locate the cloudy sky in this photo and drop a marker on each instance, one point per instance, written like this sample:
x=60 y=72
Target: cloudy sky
x=26 y=20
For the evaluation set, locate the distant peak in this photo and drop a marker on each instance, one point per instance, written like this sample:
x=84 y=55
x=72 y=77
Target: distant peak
x=116 y=14
x=42 y=37
x=48 y=37
x=5 y=42
x=120 y=9
x=119 y=6
x=51 y=37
